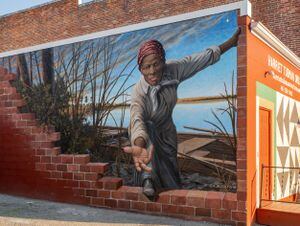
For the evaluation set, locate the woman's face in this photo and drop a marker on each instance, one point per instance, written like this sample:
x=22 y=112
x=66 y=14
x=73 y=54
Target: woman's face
x=152 y=69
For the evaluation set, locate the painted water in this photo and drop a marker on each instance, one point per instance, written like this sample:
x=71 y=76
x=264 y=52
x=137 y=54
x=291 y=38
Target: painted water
x=192 y=115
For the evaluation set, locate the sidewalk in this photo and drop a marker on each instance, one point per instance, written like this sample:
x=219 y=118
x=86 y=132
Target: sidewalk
x=23 y=211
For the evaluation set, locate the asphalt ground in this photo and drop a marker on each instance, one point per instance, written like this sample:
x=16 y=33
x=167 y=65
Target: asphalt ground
x=24 y=211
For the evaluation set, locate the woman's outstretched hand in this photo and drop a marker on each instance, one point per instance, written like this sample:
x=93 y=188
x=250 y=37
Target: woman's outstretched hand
x=232 y=41
x=235 y=37
x=141 y=157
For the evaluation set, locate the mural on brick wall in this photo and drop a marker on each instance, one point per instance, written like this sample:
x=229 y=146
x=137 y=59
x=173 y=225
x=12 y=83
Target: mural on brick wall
x=173 y=87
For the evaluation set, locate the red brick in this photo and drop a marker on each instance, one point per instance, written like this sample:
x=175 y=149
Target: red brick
x=50 y=166
x=221 y=214
x=27 y=116
x=132 y=193
x=241 y=196
x=37 y=159
x=84 y=168
x=8 y=77
x=73 y=168
x=104 y=193
x=98 y=167
x=78 y=191
x=143 y=198
x=62 y=167
x=91 y=176
x=56 y=174
x=53 y=151
x=186 y=210
x=214 y=199
x=40 y=166
x=241 y=205
x=3 y=72
x=120 y=193
x=110 y=203
x=230 y=201
x=81 y=200
x=196 y=198
x=78 y=176
x=242 y=20
x=81 y=159
x=169 y=209
x=67 y=183
x=136 y=205
x=242 y=185
x=203 y=212
x=67 y=175
x=45 y=159
x=97 y=201
x=110 y=183
x=165 y=197
x=91 y=192
x=239 y=216
x=4 y=84
x=10 y=90
x=85 y=184
x=67 y=158
x=178 y=197
x=241 y=155
x=56 y=159
x=154 y=207
x=40 y=137
x=124 y=204
x=241 y=164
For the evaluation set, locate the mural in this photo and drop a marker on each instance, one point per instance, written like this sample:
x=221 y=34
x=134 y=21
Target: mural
x=286 y=145
x=85 y=91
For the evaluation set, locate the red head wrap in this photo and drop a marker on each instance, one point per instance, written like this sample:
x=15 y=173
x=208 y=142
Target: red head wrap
x=151 y=47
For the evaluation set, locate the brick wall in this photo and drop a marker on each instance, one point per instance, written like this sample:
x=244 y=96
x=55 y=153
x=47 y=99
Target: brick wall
x=65 y=19
x=282 y=17
x=241 y=155
x=31 y=165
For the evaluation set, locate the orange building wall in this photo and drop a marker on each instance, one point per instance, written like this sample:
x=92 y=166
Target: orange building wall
x=257 y=65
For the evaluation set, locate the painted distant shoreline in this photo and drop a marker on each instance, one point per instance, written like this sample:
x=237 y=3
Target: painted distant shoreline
x=189 y=100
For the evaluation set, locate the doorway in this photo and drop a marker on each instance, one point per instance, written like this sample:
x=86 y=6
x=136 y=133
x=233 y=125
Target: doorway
x=265 y=153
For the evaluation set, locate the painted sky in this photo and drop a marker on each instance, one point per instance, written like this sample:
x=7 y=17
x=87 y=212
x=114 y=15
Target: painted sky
x=188 y=37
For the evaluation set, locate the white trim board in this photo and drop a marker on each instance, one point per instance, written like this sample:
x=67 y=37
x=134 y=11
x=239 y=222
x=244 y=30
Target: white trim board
x=265 y=35
x=244 y=7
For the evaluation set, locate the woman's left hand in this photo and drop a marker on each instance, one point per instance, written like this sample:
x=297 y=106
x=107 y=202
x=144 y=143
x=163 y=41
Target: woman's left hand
x=235 y=37
x=233 y=41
